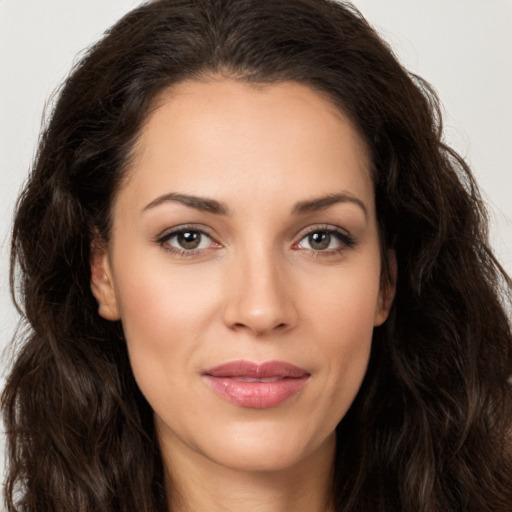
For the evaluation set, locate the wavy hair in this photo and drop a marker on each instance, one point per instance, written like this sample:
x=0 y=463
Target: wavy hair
x=430 y=429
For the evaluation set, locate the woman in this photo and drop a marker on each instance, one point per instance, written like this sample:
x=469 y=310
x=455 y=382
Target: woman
x=255 y=279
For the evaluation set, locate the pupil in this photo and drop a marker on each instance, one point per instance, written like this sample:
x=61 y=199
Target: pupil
x=189 y=239
x=319 y=240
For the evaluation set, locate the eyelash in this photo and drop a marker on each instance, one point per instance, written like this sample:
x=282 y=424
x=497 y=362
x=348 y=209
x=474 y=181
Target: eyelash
x=346 y=241
x=188 y=253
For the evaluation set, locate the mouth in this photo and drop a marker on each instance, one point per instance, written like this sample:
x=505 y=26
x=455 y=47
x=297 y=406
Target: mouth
x=256 y=386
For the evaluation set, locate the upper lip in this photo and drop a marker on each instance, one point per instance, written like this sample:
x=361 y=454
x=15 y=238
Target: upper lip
x=265 y=370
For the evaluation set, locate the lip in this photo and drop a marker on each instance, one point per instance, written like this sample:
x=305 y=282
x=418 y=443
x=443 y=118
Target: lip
x=256 y=386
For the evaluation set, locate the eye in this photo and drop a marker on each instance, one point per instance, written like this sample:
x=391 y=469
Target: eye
x=186 y=240
x=325 y=240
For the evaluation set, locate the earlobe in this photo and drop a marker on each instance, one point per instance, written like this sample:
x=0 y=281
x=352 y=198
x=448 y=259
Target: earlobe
x=102 y=285
x=387 y=291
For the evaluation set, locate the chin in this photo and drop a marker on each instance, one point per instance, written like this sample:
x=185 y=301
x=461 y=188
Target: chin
x=268 y=448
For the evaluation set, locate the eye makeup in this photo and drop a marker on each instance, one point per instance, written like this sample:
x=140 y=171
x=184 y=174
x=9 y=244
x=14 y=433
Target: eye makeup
x=325 y=240
x=191 y=241
x=187 y=241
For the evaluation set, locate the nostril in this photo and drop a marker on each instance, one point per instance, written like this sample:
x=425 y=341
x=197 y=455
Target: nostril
x=241 y=325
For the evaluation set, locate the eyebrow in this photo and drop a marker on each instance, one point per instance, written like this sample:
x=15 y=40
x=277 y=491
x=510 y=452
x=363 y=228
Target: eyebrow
x=199 y=203
x=321 y=203
x=212 y=206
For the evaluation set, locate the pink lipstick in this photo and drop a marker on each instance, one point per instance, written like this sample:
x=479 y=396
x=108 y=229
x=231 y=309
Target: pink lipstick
x=256 y=386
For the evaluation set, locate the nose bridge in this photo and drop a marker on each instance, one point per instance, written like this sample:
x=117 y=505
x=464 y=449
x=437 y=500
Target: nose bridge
x=258 y=297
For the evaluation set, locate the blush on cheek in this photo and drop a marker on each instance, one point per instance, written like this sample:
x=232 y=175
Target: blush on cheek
x=354 y=297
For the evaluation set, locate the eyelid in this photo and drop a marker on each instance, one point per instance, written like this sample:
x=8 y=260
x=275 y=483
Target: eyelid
x=179 y=228
x=322 y=227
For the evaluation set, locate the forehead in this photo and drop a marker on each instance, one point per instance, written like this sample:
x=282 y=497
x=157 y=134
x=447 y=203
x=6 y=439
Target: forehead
x=224 y=137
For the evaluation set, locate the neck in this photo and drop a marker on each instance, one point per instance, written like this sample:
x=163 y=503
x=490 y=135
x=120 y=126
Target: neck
x=209 y=487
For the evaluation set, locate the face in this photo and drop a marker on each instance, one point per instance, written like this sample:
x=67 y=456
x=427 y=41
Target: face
x=244 y=264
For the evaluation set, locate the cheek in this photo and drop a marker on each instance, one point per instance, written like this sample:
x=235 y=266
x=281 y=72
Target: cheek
x=345 y=303
x=343 y=318
x=165 y=315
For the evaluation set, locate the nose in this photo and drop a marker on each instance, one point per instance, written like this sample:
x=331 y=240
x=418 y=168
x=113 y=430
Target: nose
x=260 y=295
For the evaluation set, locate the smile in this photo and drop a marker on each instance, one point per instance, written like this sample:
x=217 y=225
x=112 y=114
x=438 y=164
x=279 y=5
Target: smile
x=256 y=386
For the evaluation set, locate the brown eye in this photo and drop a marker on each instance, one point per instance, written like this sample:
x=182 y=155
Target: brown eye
x=189 y=239
x=326 y=240
x=320 y=240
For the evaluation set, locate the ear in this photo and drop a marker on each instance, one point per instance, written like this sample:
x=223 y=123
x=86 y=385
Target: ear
x=387 y=291
x=102 y=284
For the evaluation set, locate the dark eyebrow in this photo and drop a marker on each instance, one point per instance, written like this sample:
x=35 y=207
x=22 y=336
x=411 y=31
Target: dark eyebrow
x=199 y=203
x=321 y=203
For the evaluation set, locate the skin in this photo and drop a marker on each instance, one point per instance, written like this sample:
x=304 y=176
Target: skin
x=257 y=287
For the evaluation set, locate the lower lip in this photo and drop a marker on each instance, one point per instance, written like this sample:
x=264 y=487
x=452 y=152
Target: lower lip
x=256 y=395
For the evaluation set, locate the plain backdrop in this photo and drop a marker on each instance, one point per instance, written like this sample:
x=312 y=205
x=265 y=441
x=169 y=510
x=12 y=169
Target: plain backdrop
x=463 y=47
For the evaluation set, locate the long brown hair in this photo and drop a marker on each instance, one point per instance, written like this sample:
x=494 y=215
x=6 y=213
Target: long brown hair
x=430 y=429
